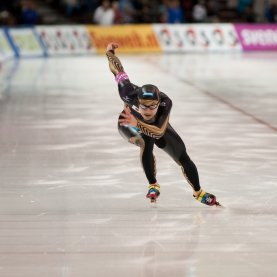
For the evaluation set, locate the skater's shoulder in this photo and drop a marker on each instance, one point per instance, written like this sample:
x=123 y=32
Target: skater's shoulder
x=165 y=100
x=164 y=95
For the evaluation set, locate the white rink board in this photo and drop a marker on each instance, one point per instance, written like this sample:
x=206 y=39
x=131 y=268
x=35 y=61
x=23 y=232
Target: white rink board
x=197 y=37
x=65 y=40
x=26 y=42
x=6 y=51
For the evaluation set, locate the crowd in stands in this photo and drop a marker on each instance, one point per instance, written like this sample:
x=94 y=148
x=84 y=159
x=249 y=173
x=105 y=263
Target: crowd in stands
x=19 y=12
x=105 y=12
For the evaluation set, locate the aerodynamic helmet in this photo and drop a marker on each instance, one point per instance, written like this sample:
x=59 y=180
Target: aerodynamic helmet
x=149 y=95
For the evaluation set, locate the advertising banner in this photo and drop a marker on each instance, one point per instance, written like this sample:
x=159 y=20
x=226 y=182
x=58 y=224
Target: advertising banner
x=131 y=38
x=65 y=40
x=197 y=37
x=257 y=36
x=25 y=42
x=6 y=50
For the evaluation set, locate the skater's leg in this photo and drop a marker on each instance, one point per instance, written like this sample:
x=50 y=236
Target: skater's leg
x=173 y=145
x=190 y=172
x=146 y=145
x=149 y=165
x=148 y=160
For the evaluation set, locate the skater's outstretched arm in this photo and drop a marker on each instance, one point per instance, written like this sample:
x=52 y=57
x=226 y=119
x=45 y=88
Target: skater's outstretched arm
x=128 y=94
x=125 y=87
x=114 y=62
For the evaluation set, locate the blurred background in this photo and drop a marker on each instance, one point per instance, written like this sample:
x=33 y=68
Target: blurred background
x=34 y=12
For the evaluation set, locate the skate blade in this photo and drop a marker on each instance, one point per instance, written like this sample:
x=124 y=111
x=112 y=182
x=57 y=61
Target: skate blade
x=217 y=204
x=153 y=200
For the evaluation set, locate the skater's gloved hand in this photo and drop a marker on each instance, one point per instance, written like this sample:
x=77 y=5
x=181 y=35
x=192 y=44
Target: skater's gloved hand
x=127 y=118
x=112 y=46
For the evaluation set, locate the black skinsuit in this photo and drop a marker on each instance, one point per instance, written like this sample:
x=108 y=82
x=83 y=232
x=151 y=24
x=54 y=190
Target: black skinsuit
x=169 y=140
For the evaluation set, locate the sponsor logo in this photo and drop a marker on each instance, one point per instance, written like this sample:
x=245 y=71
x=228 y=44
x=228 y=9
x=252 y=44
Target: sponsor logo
x=259 y=37
x=135 y=108
x=126 y=98
x=131 y=38
x=148 y=94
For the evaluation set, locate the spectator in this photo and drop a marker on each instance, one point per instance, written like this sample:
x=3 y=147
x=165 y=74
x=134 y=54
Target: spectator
x=145 y=14
x=242 y=5
x=199 y=12
x=249 y=14
x=271 y=11
x=117 y=12
x=6 y=18
x=175 y=13
x=128 y=11
x=162 y=12
x=104 y=14
x=232 y=4
x=29 y=14
x=187 y=8
x=71 y=6
x=90 y=5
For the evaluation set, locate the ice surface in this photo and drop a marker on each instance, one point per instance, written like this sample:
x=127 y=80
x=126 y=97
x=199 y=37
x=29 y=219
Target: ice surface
x=72 y=192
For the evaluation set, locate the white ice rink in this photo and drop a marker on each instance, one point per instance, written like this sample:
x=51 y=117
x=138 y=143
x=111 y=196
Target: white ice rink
x=72 y=191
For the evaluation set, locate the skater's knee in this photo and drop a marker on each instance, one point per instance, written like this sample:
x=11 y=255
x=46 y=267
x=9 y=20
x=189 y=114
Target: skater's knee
x=138 y=141
x=184 y=157
x=129 y=133
x=160 y=143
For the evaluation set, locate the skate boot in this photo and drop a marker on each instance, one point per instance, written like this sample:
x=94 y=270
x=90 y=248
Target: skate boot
x=153 y=192
x=207 y=198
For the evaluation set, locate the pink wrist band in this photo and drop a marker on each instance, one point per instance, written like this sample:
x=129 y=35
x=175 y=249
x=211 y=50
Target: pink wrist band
x=121 y=76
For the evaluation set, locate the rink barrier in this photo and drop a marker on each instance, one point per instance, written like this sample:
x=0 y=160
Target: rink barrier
x=131 y=38
x=6 y=49
x=197 y=37
x=25 y=42
x=65 y=40
x=73 y=40
x=257 y=37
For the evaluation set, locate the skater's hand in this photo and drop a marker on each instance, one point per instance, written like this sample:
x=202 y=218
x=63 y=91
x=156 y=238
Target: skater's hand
x=128 y=118
x=112 y=46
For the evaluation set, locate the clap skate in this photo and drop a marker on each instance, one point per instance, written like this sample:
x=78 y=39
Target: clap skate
x=207 y=198
x=153 y=192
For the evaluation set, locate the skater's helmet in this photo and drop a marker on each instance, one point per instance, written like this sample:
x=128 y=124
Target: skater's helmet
x=149 y=95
